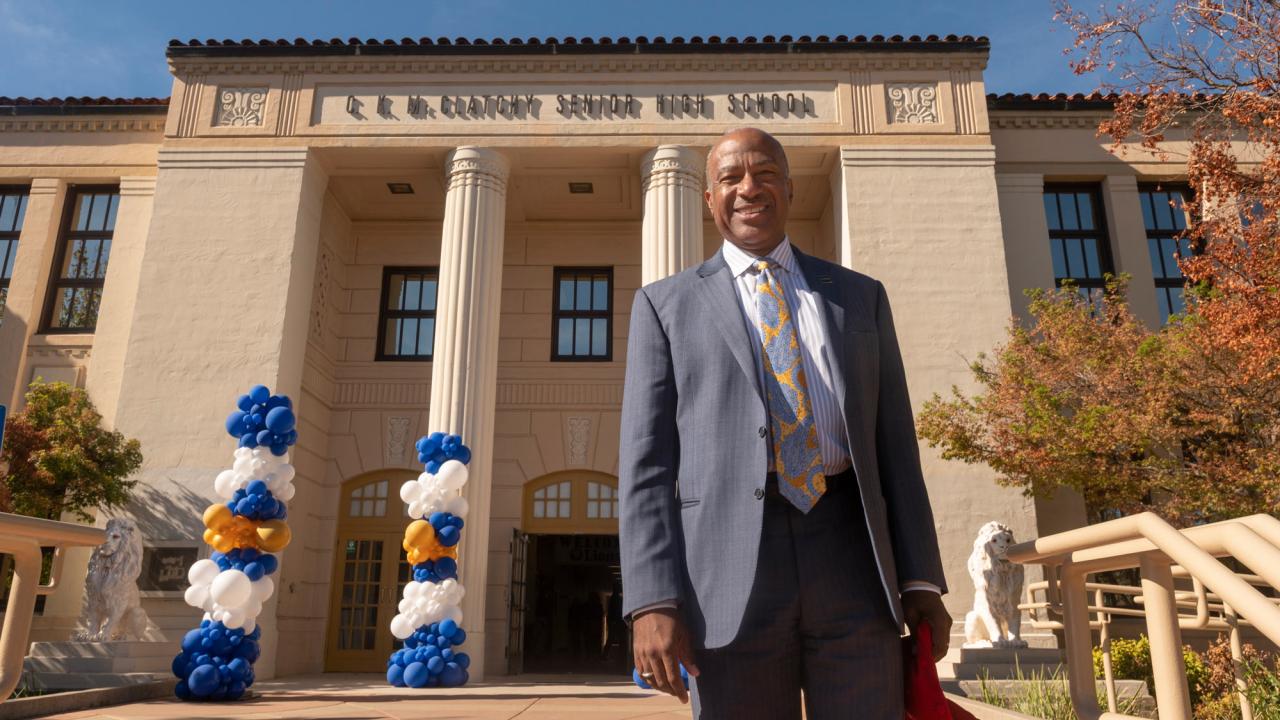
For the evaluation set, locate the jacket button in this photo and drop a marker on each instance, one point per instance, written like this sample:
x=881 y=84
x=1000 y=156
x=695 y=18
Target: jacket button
x=763 y=432
x=759 y=493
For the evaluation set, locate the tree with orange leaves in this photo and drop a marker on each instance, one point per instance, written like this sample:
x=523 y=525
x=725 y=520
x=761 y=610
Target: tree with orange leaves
x=1185 y=420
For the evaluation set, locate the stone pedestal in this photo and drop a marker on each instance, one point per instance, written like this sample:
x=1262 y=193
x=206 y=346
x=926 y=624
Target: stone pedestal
x=464 y=367
x=671 y=178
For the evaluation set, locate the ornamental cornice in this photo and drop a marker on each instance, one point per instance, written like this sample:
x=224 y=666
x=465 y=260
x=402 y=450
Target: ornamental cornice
x=1039 y=121
x=601 y=64
x=83 y=124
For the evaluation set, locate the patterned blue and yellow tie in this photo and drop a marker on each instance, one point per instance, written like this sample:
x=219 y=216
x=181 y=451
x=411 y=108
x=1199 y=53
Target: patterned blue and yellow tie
x=796 y=457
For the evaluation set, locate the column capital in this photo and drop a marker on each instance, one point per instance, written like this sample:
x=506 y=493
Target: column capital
x=672 y=164
x=479 y=164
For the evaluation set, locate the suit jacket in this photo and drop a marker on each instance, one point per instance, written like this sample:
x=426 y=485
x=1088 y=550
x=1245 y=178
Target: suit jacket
x=694 y=449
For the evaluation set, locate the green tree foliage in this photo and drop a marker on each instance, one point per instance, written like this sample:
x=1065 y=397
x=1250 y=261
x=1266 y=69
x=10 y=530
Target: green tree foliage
x=61 y=459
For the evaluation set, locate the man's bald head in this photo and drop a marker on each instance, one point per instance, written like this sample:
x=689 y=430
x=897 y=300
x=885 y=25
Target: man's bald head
x=749 y=189
x=768 y=141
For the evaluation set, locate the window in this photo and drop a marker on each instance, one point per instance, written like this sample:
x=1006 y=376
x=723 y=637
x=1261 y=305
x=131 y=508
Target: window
x=369 y=500
x=407 y=319
x=582 y=318
x=13 y=206
x=552 y=501
x=1078 y=237
x=83 y=252
x=602 y=501
x=1165 y=219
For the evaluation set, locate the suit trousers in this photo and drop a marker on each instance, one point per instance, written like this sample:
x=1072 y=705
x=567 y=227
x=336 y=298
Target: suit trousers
x=817 y=628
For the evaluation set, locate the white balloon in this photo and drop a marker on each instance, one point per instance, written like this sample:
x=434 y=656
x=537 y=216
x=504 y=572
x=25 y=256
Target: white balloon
x=249 y=625
x=224 y=484
x=285 y=494
x=410 y=491
x=405 y=605
x=253 y=609
x=286 y=472
x=402 y=626
x=197 y=596
x=231 y=589
x=417 y=509
x=203 y=572
x=451 y=612
x=452 y=475
x=457 y=505
x=233 y=618
x=262 y=588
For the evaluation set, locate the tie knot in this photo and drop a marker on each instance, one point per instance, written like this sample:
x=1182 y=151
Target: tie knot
x=763 y=264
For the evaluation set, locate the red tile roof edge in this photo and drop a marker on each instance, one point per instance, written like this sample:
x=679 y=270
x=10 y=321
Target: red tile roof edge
x=82 y=105
x=577 y=46
x=1056 y=101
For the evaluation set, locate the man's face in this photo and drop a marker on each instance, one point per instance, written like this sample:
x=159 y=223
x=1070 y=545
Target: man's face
x=750 y=193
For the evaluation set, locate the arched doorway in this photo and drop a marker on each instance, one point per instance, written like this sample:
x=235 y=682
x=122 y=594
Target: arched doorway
x=567 y=582
x=369 y=571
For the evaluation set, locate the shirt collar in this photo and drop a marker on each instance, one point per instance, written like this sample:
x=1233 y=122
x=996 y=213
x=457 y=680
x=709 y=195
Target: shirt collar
x=740 y=261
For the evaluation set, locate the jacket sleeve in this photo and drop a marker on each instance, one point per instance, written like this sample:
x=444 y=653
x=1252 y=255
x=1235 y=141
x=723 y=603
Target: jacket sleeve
x=648 y=458
x=915 y=541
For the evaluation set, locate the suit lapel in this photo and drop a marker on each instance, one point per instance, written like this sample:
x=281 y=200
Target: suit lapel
x=821 y=281
x=717 y=289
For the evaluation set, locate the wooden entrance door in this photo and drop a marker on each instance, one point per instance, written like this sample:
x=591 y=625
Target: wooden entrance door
x=369 y=572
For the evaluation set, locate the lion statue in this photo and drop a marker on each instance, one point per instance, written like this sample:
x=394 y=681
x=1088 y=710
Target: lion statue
x=995 y=620
x=111 y=602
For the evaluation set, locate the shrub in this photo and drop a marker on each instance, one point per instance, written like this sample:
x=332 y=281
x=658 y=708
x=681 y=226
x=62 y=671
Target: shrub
x=1131 y=660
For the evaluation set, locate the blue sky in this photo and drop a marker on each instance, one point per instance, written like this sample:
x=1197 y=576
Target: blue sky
x=116 y=47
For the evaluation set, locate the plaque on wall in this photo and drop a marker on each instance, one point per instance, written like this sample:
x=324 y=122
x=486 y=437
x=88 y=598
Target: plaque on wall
x=164 y=569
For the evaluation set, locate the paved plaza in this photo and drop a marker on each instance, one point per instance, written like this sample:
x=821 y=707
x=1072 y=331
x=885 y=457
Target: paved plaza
x=363 y=696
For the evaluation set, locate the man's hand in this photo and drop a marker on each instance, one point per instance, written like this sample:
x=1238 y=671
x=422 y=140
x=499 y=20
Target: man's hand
x=925 y=605
x=660 y=644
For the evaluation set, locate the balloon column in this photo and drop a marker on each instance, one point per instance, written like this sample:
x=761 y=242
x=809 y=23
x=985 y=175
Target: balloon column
x=430 y=619
x=216 y=662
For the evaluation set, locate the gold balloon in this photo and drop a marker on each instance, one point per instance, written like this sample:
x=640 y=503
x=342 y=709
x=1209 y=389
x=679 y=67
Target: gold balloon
x=419 y=535
x=217 y=515
x=273 y=535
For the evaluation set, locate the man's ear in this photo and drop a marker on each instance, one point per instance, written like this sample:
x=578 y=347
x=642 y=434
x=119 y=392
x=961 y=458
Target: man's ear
x=706 y=197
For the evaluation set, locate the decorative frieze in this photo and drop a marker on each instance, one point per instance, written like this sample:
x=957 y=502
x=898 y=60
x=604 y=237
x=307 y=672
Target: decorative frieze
x=150 y=123
x=397 y=439
x=241 y=107
x=913 y=103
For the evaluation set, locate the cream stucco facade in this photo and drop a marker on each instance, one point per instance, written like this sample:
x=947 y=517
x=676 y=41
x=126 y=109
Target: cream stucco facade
x=255 y=226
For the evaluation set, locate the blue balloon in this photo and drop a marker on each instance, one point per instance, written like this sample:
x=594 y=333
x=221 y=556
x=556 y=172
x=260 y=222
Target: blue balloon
x=254 y=570
x=203 y=680
x=435 y=665
x=446 y=567
x=279 y=450
x=280 y=420
x=182 y=691
x=244 y=402
x=639 y=681
x=395 y=675
x=463 y=660
x=432 y=466
x=256 y=487
x=269 y=563
x=459 y=637
x=448 y=535
x=463 y=455
x=448 y=627
x=191 y=641
x=437 y=519
x=235 y=689
x=416 y=675
x=430 y=651
x=235 y=421
x=263 y=437
x=248 y=440
x=452 y=675
x=259 y=394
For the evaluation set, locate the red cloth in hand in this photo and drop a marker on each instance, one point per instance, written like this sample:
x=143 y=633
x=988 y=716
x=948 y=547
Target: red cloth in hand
x=925 y=700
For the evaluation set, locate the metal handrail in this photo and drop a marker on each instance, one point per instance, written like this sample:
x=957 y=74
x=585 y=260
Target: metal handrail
x=1155 y=547
x=22 y=537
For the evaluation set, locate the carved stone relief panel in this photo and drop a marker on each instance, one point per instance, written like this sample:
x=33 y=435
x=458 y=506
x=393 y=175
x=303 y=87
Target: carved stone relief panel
x=579 y=438
x=913 y=103
x=397 y=440
x=241 y=107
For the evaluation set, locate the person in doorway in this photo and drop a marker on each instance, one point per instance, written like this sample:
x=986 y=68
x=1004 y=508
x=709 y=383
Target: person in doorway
x=775 y=530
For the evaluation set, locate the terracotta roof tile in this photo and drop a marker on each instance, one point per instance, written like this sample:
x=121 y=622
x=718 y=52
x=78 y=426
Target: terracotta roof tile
x=1056 y=101
x=82 y=105
x=577 y=45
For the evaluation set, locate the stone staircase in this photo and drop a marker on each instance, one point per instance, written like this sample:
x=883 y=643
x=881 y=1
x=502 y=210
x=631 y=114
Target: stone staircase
x=70 y=665
x=1041 y=656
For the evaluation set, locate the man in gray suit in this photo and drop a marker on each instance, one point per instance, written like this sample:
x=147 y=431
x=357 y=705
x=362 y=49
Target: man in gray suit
x=776 y=533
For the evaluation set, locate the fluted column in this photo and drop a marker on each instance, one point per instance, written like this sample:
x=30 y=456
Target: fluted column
x=465 y=360
x=672 y=185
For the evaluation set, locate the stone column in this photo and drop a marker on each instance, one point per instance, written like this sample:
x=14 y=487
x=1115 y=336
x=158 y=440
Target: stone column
x=1128 y=236
x=464 y=368
x=1026 y=235
x=672 y=184
x=31 y=270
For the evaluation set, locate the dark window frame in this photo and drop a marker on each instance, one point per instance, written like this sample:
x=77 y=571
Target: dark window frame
x=1164 y=284
x=10 y=254
x=65 y=236
x=1100 y=232
x=385 y=313
x=560 y=272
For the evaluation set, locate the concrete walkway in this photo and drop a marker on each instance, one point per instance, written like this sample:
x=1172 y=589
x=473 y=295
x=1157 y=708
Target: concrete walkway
x=368 y=697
